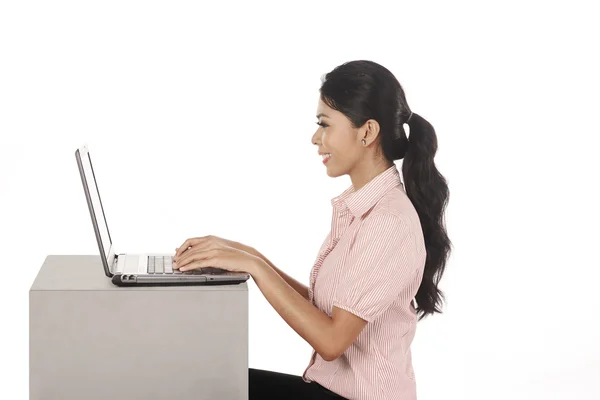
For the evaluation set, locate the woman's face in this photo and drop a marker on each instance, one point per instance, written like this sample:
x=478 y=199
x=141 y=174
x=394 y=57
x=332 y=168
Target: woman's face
x=336 y=137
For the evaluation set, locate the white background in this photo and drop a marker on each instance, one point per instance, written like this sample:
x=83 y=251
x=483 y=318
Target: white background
x=199 y=120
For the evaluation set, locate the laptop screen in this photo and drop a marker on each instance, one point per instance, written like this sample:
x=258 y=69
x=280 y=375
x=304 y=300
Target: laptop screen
x=98 y=211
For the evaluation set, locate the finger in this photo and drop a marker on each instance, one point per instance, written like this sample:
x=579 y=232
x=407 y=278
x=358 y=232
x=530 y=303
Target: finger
x=189 y=243
x=194 y=255
x=199 y=261
x=200 y=245
x=178 y=252
x=184 y=253
x=197 y=265
x=183 y=247
x=190 y=256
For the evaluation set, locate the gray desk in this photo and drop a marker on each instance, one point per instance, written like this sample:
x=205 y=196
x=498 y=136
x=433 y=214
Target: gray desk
x=91 y=340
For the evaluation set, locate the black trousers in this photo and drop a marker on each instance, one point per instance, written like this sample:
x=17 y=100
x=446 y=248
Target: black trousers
x=276 y=385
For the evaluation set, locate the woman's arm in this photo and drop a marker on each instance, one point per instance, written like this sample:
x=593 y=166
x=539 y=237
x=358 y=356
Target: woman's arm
x=298 y=287
x=313 y=325
x=329 y=336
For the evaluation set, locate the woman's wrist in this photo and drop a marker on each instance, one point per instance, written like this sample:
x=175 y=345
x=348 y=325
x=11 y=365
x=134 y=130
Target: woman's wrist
x=250 y=250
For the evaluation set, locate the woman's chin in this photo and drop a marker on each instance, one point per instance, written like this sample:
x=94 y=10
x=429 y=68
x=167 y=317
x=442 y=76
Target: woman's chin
x=332 y=172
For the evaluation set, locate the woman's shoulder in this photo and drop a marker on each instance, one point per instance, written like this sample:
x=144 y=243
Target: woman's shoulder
x=395 y=203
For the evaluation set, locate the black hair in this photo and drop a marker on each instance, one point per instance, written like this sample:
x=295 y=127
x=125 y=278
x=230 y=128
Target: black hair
x=363 y=90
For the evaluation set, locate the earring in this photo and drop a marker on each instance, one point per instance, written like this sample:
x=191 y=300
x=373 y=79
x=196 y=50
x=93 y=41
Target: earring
x=364 y=142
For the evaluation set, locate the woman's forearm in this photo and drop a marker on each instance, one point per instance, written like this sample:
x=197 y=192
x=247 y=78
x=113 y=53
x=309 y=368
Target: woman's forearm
x=315 y=326
x=298 y=287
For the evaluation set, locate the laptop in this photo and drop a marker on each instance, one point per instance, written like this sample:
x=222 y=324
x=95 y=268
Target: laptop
x=151 y=269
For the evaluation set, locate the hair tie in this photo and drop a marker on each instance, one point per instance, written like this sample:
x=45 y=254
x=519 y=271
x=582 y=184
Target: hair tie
x=407 y=127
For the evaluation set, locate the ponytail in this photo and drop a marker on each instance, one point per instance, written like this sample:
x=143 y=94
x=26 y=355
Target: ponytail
x=428 y=191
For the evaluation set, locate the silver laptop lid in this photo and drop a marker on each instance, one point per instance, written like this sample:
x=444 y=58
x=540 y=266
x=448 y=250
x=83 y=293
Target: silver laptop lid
x=92 y=194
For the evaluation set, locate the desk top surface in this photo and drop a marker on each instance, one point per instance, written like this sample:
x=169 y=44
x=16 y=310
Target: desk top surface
x=85 y=272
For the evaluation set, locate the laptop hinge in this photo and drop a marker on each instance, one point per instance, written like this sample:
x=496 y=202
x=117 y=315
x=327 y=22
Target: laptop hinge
x=113 y=267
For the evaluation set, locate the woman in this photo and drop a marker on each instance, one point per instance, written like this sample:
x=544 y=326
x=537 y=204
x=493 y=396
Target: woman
x=387 y=247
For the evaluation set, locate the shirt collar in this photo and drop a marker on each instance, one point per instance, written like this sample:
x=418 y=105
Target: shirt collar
x=359 y=202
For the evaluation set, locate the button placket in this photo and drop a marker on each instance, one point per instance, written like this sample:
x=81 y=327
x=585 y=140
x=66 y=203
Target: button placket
x=318 y=266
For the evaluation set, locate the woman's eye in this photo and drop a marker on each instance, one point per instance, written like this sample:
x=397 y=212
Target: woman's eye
x=322 y=124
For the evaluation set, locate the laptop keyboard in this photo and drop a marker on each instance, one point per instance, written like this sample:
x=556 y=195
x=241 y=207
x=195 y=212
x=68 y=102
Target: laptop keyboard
x=164 y=265
x=161 y=265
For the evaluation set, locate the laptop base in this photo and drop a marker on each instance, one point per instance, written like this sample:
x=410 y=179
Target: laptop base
x=119 y=281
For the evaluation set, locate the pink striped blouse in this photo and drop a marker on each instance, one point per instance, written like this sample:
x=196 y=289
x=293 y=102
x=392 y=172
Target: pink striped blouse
x=371 y=264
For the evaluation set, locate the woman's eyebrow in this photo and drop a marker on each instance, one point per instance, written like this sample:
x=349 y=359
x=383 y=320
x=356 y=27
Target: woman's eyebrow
x=322 y=115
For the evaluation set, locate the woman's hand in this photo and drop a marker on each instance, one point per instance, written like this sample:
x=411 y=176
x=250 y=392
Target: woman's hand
x=213 y=251
x=205 y=240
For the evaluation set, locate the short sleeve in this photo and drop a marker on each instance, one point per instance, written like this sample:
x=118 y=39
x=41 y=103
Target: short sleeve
x=380 y=267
